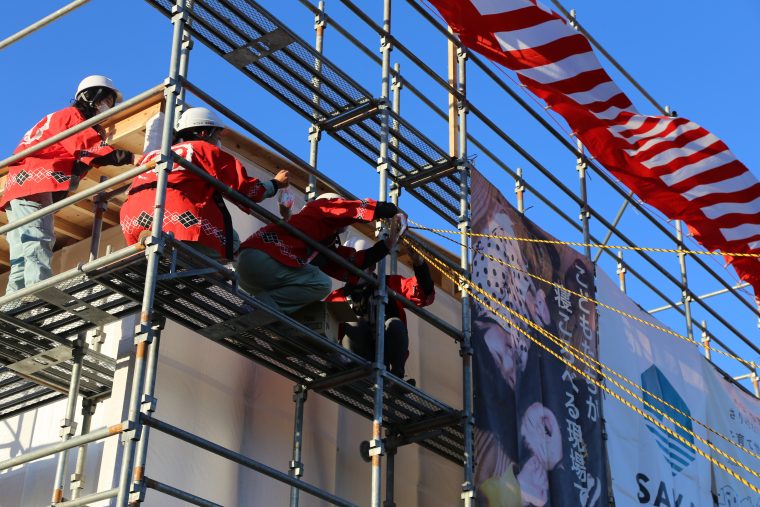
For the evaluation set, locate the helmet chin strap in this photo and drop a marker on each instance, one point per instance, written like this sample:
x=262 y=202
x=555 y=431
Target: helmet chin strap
x=92 y=102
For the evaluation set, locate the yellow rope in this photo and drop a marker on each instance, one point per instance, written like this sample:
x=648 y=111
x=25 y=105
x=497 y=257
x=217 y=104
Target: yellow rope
x=577 y=243
x=750 y=364
x=441 y=267
x=591 y=358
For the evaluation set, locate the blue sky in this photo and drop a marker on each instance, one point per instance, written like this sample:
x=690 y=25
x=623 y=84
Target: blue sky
x=697 y=56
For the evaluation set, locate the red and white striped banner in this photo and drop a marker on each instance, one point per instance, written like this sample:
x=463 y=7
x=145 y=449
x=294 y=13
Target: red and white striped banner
x=672 y=164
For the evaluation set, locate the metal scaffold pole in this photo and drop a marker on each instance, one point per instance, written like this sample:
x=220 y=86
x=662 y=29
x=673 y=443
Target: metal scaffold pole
x=296 y=466
x=585 y=214
x=99 y=205
x=706 y=340
x=145 y=332
x=520 y=191
x=396 y=86
x=685 y=297
x=148 y=406
x=184 y=59
x=468 y=486
x=390 y=476
x=621 y=271
x=68 y=425
x=315 y=133
x=376 y=446
x=41 y=23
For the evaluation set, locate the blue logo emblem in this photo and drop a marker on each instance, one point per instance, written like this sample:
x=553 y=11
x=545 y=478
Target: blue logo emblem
x=678 y=454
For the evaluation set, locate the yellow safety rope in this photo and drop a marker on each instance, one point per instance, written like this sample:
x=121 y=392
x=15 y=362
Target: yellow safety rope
x=465 y=284
x=591 y=358
x=577 y=243
x=750 y=364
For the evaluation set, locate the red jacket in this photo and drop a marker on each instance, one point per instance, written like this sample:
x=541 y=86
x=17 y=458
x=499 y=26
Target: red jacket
x=50 y=169
x=321 y=220
x=410 y=288
x=191 y=212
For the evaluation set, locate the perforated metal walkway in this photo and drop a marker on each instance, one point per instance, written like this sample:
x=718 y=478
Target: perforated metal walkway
x=203 y=296
x=264 y=49
x=37 y=333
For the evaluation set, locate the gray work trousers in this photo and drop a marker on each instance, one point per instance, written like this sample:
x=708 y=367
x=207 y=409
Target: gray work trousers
x=287 y=287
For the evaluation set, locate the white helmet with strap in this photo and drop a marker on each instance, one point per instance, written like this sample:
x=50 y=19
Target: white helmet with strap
x=329 y=195
x=97 y=81
x=359 y=243
x=196 y=117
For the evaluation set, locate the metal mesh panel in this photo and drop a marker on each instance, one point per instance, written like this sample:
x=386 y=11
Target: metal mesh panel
x=31 y=328
x=290 y=73
x=290 y=349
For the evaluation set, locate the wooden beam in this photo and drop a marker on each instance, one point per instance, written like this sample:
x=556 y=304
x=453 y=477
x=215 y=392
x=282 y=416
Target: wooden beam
x=110 y=216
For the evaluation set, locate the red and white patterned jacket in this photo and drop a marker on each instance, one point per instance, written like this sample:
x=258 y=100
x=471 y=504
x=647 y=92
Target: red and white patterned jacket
x=191 y=212
x=321 y=220
x=411 y=288
x=50 y=169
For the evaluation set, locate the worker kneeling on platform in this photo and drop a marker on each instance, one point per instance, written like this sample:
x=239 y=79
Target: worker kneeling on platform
x=49 y=174
x=359 y=336
x=195 y=212
x=285 y=272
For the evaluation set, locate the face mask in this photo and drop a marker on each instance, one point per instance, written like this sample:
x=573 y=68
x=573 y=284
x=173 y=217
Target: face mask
x=103 y=106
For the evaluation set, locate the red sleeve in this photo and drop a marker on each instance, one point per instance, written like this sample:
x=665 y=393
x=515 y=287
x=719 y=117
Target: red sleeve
x=231 y=172
x=412 y=291
x=85 y=146
x=340 y=273
x=343 y=212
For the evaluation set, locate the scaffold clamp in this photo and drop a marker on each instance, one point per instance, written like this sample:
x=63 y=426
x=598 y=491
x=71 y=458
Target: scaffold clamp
x=376 y=447
x=68 y=428
x=179 y=14
x=315 y=133
x=137 y=494
x=296 y=467
x=467 y=490
x=148 y=404
x=131 y=431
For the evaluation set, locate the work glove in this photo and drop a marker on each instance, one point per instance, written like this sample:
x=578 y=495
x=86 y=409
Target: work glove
x=116 y=157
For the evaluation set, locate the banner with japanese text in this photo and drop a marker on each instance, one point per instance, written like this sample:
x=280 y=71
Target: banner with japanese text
x=648 y=464
x=735 y=414
x=538 y=433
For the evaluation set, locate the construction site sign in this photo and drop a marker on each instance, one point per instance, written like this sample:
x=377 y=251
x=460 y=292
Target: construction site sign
x=652 y=443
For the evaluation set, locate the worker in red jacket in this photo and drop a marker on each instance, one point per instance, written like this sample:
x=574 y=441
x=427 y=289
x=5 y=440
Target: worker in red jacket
x=49 y=174
x=286 y=273
x=359 y=336
x=195 y=212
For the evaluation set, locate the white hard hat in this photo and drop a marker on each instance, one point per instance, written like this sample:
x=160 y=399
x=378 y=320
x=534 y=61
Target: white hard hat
x=199 y=117
x=359 y=243
x=329 y=195
x=96 y=81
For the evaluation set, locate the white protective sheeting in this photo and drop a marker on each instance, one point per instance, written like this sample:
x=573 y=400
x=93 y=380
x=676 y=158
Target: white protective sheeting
x=734 y=414
x=649 y=466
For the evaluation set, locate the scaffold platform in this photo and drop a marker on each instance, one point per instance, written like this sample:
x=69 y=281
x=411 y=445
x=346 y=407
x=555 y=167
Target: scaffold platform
x=201 y=295
x=249 y=37
x=37 y=342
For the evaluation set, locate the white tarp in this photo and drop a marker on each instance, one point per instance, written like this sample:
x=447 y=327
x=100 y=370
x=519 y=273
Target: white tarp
x=648 y=465
x=736 y=415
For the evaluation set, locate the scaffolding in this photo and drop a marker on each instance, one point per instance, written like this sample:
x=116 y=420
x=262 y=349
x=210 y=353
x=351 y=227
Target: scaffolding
x=43 y=328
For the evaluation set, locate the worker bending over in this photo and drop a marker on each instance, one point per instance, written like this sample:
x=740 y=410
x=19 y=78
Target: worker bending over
x=359 y=336
x=49 y=174
x=286 y=273
x=195 y=212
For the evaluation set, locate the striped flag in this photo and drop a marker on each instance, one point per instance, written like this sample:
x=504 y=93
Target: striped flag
x=671 y=163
